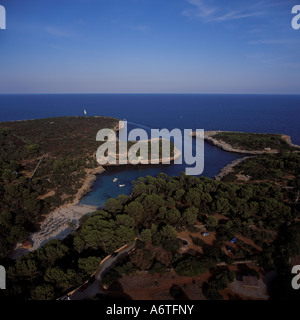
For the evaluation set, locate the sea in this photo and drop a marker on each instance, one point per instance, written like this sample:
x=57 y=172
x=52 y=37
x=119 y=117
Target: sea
x=246 y=113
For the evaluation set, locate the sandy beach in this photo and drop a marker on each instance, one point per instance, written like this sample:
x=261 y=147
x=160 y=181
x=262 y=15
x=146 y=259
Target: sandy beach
x=65 y=219
x=59 y=223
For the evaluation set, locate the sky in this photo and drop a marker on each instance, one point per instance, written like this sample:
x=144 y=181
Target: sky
x=149 y=46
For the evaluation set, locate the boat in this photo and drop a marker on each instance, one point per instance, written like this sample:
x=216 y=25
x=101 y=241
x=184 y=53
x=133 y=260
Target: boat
x=121 y=185
x=115 y=179
x=84 y=112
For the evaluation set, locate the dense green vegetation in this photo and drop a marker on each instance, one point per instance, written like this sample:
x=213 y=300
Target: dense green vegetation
x=68 y=145
x=283 y=168
x=218 y=281
x=60 y=266
x=156 y=210
x=254 y=141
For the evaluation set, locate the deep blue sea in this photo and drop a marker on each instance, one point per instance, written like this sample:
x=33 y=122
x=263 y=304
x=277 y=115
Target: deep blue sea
x=248 y=113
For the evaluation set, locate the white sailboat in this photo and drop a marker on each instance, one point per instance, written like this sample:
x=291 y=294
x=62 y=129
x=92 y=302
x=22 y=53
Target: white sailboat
x=84 y=112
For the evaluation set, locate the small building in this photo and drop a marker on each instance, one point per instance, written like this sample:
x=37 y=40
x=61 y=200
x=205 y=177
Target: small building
x=27 y=245
x=228 y=248
x=250 y=282
x=205 y=234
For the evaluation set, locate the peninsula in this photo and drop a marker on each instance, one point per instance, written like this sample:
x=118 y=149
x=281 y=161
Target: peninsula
x=47 y=166
x=249 y=143
x=269 y=147
x=195 y=237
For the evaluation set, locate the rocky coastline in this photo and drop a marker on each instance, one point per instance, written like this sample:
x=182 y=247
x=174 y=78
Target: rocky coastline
x=229 y=168
x=209 y=138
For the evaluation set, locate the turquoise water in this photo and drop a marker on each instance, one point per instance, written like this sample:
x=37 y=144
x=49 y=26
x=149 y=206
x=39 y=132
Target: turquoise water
x=104 y=187
x=248 y=113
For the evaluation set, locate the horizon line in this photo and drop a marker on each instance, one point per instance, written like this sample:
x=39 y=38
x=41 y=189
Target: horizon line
x=145 y=93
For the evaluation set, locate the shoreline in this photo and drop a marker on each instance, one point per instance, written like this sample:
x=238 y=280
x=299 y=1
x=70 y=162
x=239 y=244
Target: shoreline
x=57 y=223
x=208 y=137
x=229 y=168
x=166 y=160
x=61 y=217
x=62 y=221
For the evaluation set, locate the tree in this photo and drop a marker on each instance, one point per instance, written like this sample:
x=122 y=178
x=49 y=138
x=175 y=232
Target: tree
x=125 y=220
x=32 y=149
x=162 y=213
x=54 y=250
x=211 y=292
x=5 y=219
x=189 y=216
x=113 y=205
x=139 y=189
x=177 y=293
x=193 y=197
x=214 y=253
x=31 y=204
x=221 y=280
x=93 y=239
x=168 y=232
x=8 y=175
x=152 y=203
x=211 y=221
x=135 y=210
x=124 y=235
x=17 y=233
x=122 y=198
x=173 y=216
x=44 y=292
x=78 y=244
x=89 y=265
x=223 y=206
x=27 y=268
x=170 y=188
x=143 y=259
x=178 y=194
x=162 y=176
x=146 y=235
x=62 y=279
x=158 y=267
x=191 y=266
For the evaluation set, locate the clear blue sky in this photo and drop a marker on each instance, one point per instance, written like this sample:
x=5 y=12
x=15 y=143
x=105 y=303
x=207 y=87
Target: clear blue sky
x=156 y=46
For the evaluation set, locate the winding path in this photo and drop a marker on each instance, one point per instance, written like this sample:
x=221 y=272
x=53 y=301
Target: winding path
x=95 y=287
